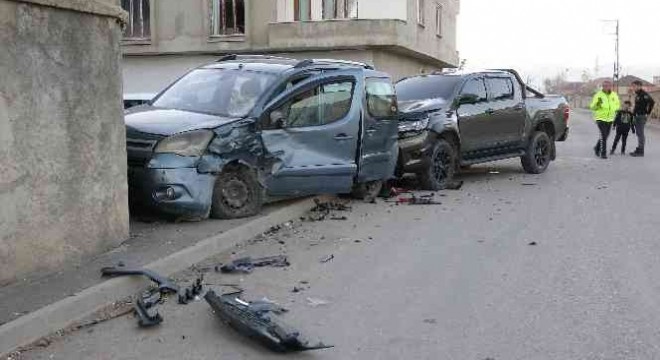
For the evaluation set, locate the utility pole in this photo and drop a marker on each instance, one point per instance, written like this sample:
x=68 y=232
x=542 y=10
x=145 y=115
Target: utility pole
x=617 y=64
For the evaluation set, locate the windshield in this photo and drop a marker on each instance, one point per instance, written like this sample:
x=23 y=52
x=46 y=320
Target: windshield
x=426 y=87
x=231 y=93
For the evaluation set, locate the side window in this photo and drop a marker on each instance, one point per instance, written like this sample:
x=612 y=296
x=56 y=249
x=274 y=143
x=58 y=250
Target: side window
x=381 y=99
x=476 y=88
x=321 y=105
x=500 y=88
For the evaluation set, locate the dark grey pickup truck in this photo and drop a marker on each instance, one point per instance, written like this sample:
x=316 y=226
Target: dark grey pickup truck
x=452 y=120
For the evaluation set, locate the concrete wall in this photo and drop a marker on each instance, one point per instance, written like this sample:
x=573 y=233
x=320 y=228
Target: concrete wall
x=63 y=191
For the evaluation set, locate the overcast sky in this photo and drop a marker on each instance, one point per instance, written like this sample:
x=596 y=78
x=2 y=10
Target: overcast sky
x=544 y=37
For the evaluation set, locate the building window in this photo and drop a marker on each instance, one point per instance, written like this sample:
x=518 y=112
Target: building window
x=138 y=26
x=302 y=10
x=330 y=9
x=227 y=17
x=438 y=20
x=421 y=19
x=351 y=9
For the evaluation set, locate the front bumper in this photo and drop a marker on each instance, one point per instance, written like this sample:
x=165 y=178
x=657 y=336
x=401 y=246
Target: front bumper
x=413 y=153
x=181 y=192
x=564 y=136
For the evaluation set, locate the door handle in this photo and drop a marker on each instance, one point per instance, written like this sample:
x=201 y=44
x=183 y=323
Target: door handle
x=490 y=111
x=341 y=137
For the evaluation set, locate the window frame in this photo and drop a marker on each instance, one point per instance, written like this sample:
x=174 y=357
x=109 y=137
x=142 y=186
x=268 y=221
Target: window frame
x=485 y=87
x=139 y=39
x=366 y=92
x=214 y=23
x=491 y=96
x=421 y=15
x=438 y=20
x=287 y=101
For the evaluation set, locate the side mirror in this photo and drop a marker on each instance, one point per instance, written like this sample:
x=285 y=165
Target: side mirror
x=468 y=99
x=277 y=119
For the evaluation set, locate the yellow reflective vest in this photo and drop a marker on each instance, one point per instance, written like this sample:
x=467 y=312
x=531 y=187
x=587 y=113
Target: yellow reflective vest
x=605 y=106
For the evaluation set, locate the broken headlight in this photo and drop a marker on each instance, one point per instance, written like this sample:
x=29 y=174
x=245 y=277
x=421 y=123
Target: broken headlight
x=191 y=143
x=413 y=127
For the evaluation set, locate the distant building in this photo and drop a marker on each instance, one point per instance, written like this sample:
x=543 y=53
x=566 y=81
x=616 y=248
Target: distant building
x=656 y=80
x=166 y=38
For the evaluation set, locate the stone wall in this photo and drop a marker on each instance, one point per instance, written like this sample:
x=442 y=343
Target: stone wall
x=63 y=191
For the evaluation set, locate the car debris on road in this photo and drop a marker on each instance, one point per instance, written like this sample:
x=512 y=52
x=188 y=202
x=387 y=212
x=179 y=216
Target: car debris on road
x=258 y=323
x=247 y=264
x=165 y=285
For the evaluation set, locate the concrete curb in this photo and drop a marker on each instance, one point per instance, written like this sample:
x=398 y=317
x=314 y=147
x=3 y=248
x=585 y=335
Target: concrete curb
x=49 y=319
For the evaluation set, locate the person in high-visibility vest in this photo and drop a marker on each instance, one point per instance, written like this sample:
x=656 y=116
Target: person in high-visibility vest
x=604 y=106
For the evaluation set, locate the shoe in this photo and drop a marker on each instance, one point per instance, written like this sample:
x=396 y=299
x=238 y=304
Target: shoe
x=637 y=154
x=612 y=152
x=596 y=150
x=603 y=156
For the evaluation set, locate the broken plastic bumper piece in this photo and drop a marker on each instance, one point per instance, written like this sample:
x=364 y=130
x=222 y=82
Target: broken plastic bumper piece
x=259 y=323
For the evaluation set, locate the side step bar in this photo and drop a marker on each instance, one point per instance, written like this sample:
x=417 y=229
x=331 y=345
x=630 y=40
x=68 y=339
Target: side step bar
x=490 y=158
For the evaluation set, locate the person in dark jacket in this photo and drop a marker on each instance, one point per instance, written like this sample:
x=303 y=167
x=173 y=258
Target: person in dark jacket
x=644 y=104
x=623 y=123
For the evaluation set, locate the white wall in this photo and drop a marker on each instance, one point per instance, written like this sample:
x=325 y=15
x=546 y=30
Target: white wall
x=383 y=9
x=367 y=9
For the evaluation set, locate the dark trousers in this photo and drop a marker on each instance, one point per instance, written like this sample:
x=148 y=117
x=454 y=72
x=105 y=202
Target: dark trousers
x=640 y=123
x=601 y=146
x=622 y=131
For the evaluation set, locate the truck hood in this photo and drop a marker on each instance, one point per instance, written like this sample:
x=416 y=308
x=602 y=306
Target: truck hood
x=159 y=121
x=412 y=107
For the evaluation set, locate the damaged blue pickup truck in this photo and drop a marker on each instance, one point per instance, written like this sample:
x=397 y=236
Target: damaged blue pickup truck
x=227 y=136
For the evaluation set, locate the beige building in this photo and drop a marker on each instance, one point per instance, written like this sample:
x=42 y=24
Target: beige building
x=63 y=191
x=165 y=38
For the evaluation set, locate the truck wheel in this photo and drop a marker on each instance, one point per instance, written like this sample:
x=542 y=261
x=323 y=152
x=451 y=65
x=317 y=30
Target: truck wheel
x=441 y=167
x=236 y=194
x=367 y=191
x=538 y=154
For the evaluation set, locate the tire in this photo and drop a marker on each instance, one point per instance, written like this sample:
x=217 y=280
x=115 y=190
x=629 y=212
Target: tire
x=236 y=194
x=367 y=191
x=538 y=155
x=441 y=167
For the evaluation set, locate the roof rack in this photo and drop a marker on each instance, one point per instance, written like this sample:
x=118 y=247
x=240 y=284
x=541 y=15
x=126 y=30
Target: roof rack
x=309 y=62
x=231 y=57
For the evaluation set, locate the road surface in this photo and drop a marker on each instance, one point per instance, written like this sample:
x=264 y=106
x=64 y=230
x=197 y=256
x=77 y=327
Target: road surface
x=454 y=281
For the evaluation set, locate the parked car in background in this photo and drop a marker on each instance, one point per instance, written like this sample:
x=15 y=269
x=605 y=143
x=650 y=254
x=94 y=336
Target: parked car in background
x=135 y=99
x=449 y=120
x=227 y=135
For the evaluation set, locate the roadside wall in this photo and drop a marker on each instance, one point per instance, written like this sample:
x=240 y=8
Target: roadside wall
x=63 y=191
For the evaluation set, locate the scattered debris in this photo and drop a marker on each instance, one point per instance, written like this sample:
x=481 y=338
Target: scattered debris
x=316 y=302
x=327 y=258
x=528 y=184
x=165 y=285
x=601 y=187
x=533 y=243
x=430 y=321
x=418 y=200
x=322 y=210
x=247 y=264
x=258 y=323
x=193 y=291
x=146 y=318
x=339 y=218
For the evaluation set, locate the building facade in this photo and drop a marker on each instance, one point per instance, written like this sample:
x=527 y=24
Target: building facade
x=63 y=191
x=165 y=38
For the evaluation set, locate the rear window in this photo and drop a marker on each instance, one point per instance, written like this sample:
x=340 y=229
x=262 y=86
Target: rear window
x=381 y=99
x=427 y=87
x=501 y=88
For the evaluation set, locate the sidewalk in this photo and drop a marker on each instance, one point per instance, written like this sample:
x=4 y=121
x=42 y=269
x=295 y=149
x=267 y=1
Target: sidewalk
x=147 y=243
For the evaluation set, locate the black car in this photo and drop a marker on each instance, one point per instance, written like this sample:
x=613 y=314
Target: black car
x=226 y=135
x=449 y=120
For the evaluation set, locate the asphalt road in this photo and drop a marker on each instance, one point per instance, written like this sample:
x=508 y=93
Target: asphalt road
x=454 y=281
